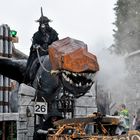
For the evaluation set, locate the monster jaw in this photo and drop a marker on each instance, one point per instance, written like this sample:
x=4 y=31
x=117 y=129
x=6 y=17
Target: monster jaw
x=77 y=82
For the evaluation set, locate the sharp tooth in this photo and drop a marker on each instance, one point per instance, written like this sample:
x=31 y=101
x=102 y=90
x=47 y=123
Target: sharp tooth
x=67 y=72
x=76 y=85
x=88 y=76
x=74 y=74
x=70 y=81
x=79 y=74
x=90 y=84
x=93 y=77
x=86 y=84
x=80 y=84
x=65 y=77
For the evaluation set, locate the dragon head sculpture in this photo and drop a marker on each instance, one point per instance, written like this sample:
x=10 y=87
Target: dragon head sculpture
x=76 y=64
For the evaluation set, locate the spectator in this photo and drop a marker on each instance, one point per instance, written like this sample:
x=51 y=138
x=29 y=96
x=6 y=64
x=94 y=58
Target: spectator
x=124 y=117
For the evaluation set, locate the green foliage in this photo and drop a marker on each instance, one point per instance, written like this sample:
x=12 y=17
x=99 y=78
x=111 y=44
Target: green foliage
x=128 y=26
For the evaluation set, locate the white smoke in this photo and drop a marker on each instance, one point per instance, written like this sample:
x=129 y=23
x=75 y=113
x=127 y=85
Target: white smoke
x=112 y=75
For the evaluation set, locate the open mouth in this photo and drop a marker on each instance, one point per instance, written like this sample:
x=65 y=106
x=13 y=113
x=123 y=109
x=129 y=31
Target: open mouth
x=79 y=80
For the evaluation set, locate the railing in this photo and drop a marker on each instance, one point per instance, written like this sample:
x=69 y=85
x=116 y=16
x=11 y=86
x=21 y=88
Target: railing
x=5 y=83
x=8 y=130
x=8 y=126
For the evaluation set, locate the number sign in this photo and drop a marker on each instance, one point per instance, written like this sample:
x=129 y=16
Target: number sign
x=40 y=108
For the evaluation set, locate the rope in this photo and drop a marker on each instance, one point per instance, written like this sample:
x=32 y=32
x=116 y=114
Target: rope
x=40 y=60
x=52 y=71
x=44 y=50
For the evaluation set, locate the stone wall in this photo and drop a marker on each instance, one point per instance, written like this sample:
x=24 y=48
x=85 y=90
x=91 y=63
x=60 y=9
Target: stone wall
x=25 y=123
x=86 y=104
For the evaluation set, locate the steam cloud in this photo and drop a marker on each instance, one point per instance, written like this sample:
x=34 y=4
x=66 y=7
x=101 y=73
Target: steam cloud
x=112 y=76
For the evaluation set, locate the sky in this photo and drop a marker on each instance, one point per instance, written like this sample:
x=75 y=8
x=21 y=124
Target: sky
x=90 y=21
